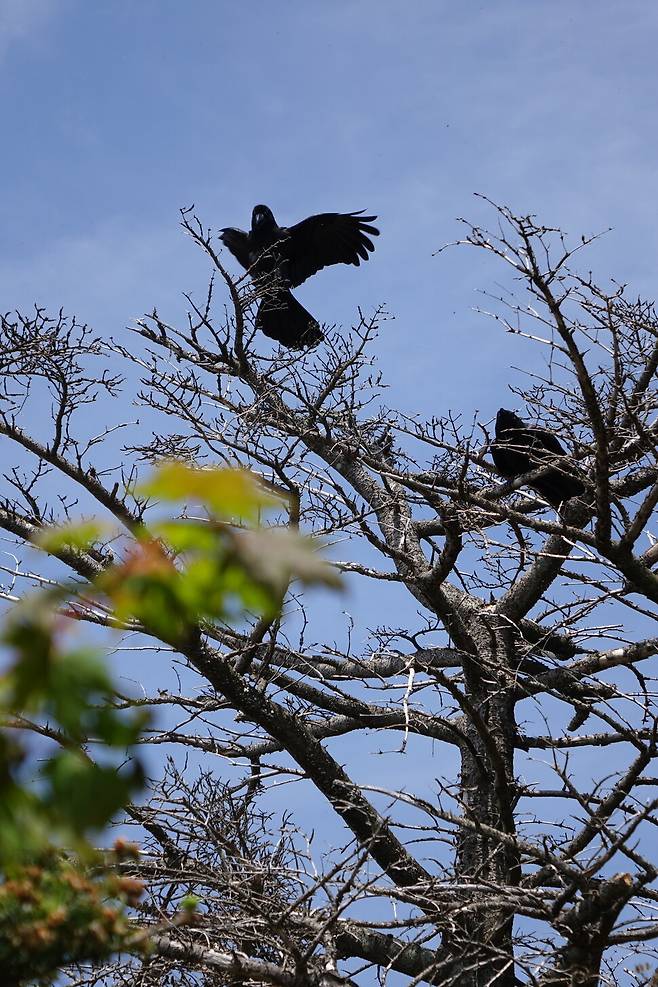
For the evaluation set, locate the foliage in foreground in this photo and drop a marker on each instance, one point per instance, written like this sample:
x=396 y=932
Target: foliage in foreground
x=60 y=900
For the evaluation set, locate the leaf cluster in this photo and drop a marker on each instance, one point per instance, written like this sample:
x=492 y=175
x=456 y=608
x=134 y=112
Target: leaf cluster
x=210 y=560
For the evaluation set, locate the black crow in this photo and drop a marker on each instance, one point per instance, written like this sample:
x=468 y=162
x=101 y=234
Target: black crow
x=283 y=257
x=519 y=448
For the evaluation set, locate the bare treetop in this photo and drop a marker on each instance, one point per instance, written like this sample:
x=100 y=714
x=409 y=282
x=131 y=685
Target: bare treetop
x=513 y=841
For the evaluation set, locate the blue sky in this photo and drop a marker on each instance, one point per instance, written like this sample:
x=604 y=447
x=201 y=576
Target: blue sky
x=116 y=113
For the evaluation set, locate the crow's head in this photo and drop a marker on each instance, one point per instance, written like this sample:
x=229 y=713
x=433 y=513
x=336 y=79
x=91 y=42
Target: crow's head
x=262 y=217
x=507 y=419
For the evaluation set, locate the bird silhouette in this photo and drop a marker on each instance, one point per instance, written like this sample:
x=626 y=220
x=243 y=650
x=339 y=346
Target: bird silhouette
x=283 y=257
x=520 y=448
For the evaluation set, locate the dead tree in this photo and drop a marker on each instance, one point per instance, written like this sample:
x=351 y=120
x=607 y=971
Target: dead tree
x=515 y=714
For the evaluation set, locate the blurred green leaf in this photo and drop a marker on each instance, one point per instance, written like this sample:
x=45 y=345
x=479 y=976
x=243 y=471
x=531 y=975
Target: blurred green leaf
x=187 y=536
x=226 y=492
x=67 y=692
x=85 y=795
x=190 y=903
x=274 y=556
x=78 y=535
x=146 y=587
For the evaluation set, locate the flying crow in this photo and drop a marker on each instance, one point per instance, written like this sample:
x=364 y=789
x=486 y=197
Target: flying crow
x=283 y=257
x=519 y=448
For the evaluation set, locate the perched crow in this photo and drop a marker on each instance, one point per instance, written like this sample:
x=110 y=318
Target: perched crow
x=519 y=448
x=283 y=257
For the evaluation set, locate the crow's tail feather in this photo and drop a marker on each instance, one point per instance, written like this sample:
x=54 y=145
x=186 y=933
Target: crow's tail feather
x=558 y=486
x=281 y=317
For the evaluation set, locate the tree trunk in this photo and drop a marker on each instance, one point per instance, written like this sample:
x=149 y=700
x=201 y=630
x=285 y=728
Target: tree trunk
x=482 y=937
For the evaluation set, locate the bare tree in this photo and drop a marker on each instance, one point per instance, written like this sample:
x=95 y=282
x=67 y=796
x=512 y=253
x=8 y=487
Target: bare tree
x=521 y=851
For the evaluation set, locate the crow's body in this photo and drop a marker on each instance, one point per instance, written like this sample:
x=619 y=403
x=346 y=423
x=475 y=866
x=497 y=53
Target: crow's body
x=520 y=448
x=281 y=258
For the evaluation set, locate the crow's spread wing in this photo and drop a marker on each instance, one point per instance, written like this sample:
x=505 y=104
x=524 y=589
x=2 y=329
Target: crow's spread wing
x=328 y=238
x=237 y=242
